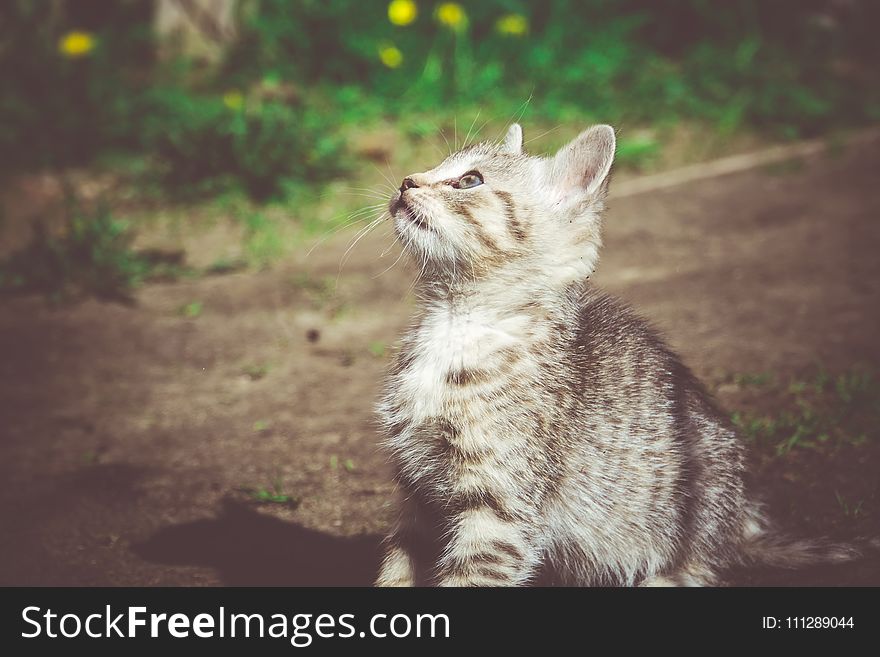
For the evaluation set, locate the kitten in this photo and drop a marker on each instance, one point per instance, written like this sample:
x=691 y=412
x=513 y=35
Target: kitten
x=534 y=422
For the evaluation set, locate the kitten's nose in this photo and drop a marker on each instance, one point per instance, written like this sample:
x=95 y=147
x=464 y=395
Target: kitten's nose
x=408 y=183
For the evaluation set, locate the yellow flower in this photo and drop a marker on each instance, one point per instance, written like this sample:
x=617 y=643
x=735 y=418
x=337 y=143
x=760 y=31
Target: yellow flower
x=402 y=12
x=452 y=15
x=390 y=56
x=76 y=44
x=233 y=99
x=512 y=25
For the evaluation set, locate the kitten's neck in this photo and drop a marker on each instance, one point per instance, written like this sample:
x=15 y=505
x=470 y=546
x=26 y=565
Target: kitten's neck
x=515 y=282
x=500 y=296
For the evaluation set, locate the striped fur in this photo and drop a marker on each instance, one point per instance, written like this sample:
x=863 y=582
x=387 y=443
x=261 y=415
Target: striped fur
x=535 y=424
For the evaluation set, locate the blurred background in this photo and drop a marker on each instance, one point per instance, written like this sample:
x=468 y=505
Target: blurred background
x=198 y=296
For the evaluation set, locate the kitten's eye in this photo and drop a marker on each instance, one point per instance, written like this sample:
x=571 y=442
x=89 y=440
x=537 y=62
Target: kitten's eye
x=468 y=180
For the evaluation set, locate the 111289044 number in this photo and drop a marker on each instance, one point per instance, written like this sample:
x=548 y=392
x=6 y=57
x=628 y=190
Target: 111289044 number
x=818 y=622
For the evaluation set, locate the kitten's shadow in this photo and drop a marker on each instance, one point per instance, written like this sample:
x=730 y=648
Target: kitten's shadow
x=248 y=548
x=251 y=549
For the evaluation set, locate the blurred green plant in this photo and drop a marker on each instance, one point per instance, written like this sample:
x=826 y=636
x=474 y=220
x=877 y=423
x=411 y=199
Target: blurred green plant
x=91 y=255
x=205 y=144
x=80 y=79
x=71 y=75
x=637 y=152
x=83 y=77
x=263 y=241
x=86 y=79
x=792 y=67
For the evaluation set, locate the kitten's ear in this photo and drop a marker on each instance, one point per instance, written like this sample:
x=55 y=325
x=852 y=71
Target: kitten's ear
x=513 y=142
x=585 y=162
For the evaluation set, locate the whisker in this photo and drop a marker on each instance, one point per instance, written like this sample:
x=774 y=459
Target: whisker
x=375 y=197
x=369 y=190
x=434 y=146
x=389 y=247
x=389 y=268
x=473 y=123
x=388 y=166
x=349 y=221
x=350 y=190
x=543 y=134
x=388 y=180
x=443 y=134
x=480 y=129
x=516 y=117
x=361 y=234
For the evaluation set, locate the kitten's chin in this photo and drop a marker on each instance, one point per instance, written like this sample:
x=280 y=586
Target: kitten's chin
x=406 y=215
x=421 y=245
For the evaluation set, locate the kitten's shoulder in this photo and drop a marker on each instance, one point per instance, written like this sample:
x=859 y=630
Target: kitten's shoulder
x=606 y=322
x=611 y=337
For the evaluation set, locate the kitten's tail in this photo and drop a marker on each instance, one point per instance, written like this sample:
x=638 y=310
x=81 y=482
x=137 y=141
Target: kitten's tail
x=763 y=545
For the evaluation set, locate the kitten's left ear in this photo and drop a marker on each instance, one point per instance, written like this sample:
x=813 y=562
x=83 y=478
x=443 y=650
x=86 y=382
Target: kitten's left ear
x=513 y=142
x=584 y=164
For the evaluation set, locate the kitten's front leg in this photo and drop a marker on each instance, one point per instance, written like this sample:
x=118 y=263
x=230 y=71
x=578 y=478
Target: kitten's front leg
x=399 y=566
x=488 y=547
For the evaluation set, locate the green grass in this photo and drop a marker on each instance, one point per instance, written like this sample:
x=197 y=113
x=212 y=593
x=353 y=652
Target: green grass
x=271 y=495
x=256 y=371
x=263 y=241
x=854 y=510
x=191 y=310
x=752 y=379
x=820 y=412
x=347 y=464
x=262 y=426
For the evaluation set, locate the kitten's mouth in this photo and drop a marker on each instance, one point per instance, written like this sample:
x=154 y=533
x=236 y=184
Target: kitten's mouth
x=402 y=208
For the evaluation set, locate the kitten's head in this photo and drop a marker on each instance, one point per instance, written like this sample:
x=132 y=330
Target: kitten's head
x=492 y=208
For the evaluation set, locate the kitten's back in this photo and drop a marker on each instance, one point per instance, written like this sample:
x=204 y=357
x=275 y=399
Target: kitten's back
x=655 y=468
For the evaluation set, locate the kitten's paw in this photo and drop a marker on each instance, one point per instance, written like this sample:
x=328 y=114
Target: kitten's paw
x=658 y=581
x=397 y=569
x=688 y=575
x=384 y=582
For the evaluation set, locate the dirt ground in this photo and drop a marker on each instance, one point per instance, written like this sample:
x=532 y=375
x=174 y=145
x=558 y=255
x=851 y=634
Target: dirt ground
x=141 y=446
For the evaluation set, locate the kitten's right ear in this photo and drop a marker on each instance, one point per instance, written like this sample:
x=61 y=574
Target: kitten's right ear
x=584 y=164
x=513 y=142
